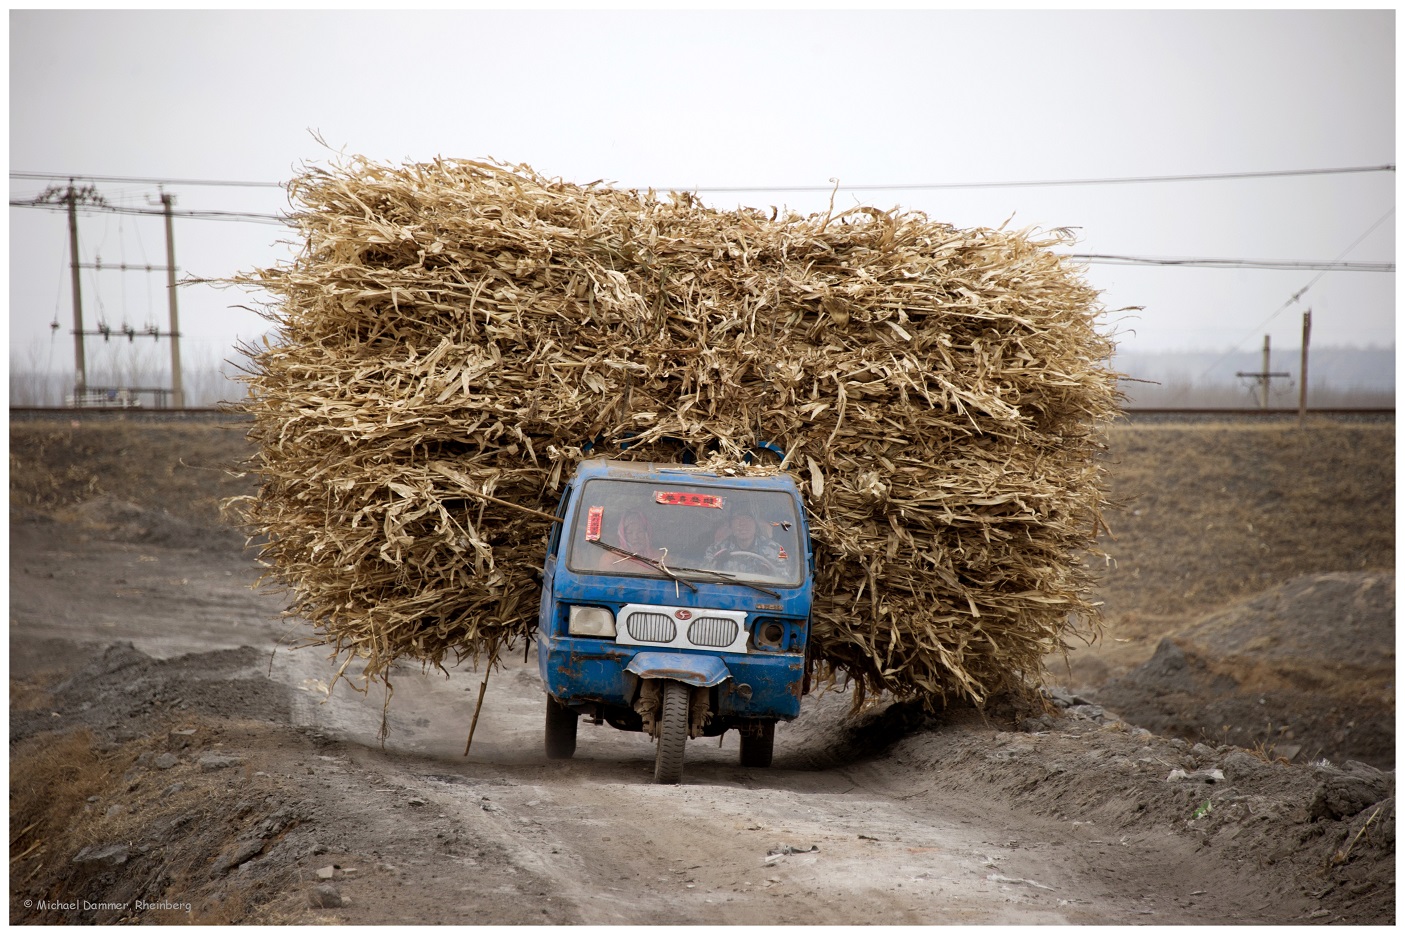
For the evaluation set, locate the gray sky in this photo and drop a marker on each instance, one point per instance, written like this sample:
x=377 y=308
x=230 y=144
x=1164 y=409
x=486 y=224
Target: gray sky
x=713 y=99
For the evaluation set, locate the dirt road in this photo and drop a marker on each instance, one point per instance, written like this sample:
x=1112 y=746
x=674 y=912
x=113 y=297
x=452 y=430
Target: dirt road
x=881 y=820
x=172 y=760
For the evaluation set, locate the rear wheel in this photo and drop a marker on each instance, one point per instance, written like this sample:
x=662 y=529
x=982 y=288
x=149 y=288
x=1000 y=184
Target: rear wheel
x=673 y=732
x=758 y=741
x=560 y=730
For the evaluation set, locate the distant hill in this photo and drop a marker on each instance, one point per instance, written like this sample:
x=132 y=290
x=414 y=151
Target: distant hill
x=1337 y=376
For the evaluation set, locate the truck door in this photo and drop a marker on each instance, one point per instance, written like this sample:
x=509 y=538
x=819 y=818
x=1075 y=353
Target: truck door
x=547 y=612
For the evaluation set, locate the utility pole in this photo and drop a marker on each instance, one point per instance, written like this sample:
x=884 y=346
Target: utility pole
x=177 y=393
x=163 y=395
x=1302 y=369
x=80 y=364
x=72 y=197
x=1263 y=376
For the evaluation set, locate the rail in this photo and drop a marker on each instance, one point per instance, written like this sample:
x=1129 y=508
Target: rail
x=1250 y=413
x=128 y=414
x=114 y=413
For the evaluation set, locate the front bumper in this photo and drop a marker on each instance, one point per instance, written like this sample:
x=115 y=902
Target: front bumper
x=756 y=685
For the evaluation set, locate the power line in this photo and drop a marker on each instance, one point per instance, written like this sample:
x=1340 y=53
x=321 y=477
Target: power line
x=1297 y=295
x=1094 y=258
x=1226 y=263
x=200 y=215
x=914 y=186
x=207 y=215
x=15 y=174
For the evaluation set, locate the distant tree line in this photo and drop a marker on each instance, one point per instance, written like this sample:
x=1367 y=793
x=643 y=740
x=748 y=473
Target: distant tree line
x=1337 y=377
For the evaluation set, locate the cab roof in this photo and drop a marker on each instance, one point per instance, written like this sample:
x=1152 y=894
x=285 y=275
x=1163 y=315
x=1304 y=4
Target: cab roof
x=662 y=472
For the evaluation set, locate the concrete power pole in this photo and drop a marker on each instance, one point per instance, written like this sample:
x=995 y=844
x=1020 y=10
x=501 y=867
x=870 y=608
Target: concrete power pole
x=177 y=392
x=71 y=197
x=1302 y=369
x=80 y=364
x=1263 y=376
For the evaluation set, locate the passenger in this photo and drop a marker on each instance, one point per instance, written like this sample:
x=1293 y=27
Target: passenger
x=633 y=534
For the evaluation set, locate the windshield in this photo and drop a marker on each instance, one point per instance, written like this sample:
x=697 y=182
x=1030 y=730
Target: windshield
x=696 y=533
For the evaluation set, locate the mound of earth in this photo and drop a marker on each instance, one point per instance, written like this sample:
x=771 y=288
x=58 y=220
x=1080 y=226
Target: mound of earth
x=1322 y=832
x=121 y=693
x=182 y=469
x=1304 y=671
x=129 y=779
x=119 y=520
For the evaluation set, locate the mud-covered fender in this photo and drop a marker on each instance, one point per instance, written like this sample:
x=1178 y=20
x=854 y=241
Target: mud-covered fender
x=698 y=671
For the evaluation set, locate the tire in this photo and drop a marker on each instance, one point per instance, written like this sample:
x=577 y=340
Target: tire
x=673 y=733
x=758 y=742
x=560 y=730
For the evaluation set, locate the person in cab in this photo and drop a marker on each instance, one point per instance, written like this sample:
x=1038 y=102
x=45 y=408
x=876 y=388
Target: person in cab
x=744 y=549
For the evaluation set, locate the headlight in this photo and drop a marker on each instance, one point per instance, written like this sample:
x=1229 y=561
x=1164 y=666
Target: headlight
x=768 y=633
x=591 y=621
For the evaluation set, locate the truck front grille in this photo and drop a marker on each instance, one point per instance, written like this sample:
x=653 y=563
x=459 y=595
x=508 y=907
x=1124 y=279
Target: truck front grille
x=650 y=627
x=659 y=626
x=713 y=631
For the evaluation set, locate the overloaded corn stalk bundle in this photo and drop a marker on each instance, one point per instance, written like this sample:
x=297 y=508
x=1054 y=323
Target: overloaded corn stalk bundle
x=454 y=336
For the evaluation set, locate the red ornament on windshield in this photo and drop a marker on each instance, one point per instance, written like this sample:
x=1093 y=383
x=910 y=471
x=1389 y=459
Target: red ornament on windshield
x=682 y=498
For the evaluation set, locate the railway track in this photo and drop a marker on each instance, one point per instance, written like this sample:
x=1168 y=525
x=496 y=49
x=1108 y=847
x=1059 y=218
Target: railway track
x=116 y=414
x=1137 y=415
x=1362 y=414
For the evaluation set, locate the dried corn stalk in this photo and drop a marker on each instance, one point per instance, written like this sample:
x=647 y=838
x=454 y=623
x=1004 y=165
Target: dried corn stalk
x=454 y=335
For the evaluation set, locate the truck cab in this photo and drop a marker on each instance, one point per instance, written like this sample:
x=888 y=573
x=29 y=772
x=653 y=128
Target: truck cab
x=675 y=601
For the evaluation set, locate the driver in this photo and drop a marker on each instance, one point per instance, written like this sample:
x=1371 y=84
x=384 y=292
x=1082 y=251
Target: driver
x=743 y=536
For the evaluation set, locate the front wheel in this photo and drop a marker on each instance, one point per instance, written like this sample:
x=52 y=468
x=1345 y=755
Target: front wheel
x=758 y=741
x=560 y=730
x=673 y=733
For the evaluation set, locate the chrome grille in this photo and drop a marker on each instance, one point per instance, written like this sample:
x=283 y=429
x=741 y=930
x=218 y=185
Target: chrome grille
x=713 y=631
x=650 y=627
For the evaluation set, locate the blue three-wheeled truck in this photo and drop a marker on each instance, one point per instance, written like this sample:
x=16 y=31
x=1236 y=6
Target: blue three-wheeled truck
x=675 y=602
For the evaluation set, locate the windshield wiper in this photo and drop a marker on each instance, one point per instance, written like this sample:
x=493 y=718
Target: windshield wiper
x=733 y=579
x=647 y=561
